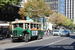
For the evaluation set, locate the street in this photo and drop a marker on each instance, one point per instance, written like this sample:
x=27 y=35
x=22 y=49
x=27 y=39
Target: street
x=47 y=43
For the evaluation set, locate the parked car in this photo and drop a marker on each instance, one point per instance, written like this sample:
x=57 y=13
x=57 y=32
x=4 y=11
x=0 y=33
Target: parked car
x=65 y=33
x=56 y=32
x=74 y=32
x=70 y=31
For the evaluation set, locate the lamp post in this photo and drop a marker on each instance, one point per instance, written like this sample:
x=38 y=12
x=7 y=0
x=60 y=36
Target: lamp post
x=43 y=23
x=1 y=30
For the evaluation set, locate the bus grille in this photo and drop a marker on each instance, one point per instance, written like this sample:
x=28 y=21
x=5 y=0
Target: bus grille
x=15 y=33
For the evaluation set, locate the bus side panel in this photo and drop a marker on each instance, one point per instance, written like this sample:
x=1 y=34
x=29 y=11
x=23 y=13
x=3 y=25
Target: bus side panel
x=40 y=32
x=29 y=31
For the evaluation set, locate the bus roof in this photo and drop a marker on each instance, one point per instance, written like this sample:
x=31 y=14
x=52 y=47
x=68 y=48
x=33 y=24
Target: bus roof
x=24 y=21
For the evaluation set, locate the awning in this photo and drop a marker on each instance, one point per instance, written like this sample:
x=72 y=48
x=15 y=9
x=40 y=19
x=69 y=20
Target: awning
x=5 y=24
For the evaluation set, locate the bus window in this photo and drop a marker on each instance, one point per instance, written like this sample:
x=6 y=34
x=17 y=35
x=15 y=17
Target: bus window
x=39 y=26
x=32 y=25
x=35 y=26
x=14 y=26
x=18 y=25
x=21 y=25
x=26 y=25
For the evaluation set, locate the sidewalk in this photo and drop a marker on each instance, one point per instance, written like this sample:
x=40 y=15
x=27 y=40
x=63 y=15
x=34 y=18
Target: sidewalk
x=47 y=35
x=4 y=40
x=7 y=40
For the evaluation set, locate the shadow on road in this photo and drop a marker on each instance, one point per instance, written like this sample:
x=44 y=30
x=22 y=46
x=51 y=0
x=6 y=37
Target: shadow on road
x=72 y=36
x=25 y=48
x=19 y=41
x=50 y=47
x=59 y=47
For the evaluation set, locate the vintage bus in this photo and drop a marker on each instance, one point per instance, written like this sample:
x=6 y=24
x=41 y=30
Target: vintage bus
x=26 y=30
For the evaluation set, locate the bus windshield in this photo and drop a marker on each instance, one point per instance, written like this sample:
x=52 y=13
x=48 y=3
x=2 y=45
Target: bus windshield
x=18 y=25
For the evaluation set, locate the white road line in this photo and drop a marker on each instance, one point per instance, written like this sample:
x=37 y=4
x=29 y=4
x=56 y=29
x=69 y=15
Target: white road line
x=51 y=43
x=29 y=42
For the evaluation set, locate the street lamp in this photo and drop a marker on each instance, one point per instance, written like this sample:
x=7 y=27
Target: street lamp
x=43 y=23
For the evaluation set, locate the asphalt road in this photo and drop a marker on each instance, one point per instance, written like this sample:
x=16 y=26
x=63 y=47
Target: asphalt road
x=48 y=43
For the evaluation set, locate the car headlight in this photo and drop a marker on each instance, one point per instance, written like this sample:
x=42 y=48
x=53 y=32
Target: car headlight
x=20 y=35
x=11 y=35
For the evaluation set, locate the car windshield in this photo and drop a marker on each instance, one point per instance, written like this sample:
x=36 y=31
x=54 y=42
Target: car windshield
x=65 y=31
x=56 y=30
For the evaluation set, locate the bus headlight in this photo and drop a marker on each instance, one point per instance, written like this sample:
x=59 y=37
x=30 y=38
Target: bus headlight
x=11 y=35
x=20 y=35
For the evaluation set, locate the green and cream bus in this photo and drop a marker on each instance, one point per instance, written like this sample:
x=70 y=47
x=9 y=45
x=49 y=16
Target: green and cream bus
x=26 y=30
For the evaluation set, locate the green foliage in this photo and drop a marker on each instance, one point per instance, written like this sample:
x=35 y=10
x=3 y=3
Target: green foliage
x=5 y=3
x=67 y=22
x=35 y=9
x=60 y=20
x=71 y=23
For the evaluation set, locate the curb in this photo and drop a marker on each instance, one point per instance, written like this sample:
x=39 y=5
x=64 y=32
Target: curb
x=5 y=41
x=47 y=35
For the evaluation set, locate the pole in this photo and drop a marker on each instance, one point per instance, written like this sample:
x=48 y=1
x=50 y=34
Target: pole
x=43 y=23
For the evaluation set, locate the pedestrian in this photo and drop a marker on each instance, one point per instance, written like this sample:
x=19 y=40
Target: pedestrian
x=7 y=33
x=0 y=33
x=48 y=32
x=45 y=32
x=58 y=27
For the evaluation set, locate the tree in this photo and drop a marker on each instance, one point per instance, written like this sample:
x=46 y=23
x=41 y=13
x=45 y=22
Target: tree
x=53 y=18
x=35 y=9
x=60 y=19
x=5 y=3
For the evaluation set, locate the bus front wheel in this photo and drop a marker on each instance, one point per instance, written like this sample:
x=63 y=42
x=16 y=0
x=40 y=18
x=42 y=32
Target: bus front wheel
x=26 y=38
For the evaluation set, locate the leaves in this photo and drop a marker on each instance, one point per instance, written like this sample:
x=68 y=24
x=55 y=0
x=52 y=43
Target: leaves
x=60 y=19
x=35 y=8
x=6 y=3
x=53 y=18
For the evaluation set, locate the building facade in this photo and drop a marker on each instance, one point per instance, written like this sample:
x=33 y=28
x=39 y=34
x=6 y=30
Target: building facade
x=69 y=6
x=62 y=7
x=53 y=5
x=66 y=7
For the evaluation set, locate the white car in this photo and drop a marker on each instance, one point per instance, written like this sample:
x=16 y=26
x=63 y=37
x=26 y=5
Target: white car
x=65 y=33
x=56 y=32
x=74 y=32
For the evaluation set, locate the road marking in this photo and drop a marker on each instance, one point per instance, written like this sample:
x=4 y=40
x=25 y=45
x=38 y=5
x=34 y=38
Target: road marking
x=31 y=42
x=51 y=43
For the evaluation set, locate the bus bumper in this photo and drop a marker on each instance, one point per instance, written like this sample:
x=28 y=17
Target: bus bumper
x=20 y=37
